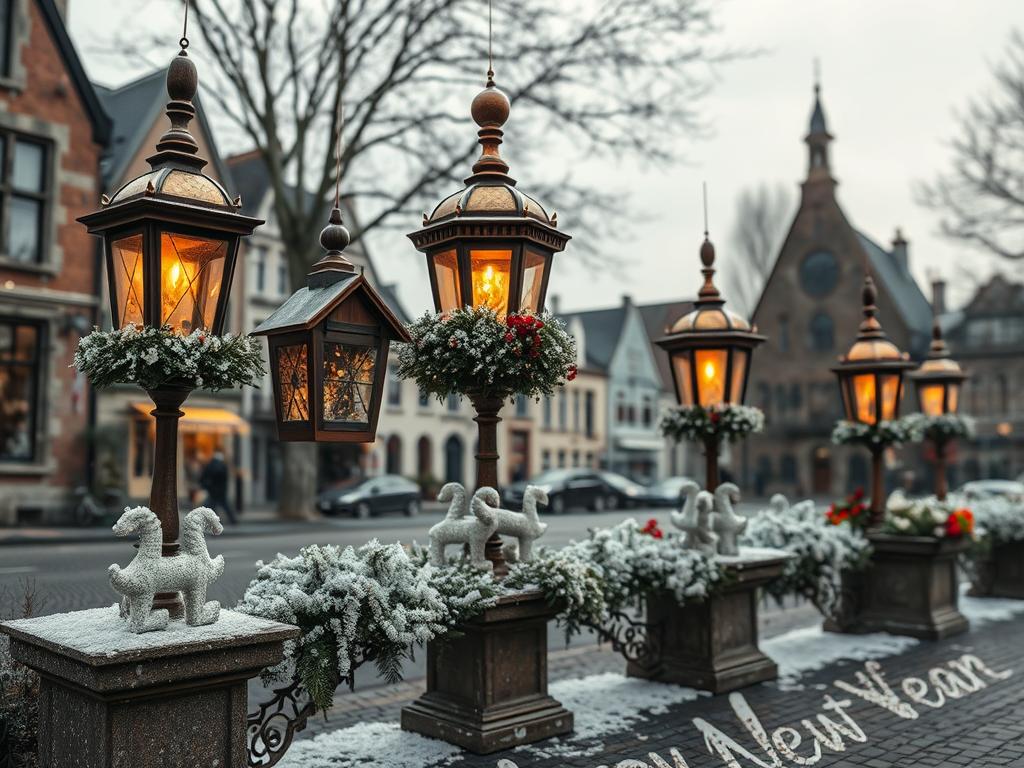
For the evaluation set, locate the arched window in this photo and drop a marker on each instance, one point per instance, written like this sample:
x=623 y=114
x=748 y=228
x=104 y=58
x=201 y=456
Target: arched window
x=424 y=458
x=394 y=455
x=821 y=333
x=453 y=459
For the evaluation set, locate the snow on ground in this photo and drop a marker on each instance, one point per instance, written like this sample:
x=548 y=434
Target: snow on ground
x=369 y=744
x=983 y=610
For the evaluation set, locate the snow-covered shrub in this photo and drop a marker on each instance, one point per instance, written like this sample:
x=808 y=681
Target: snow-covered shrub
x=926 y=516
x=19 y=688
x=634 y=563
x=822 y=551
x=568 y=579
x=354 y=605
x=998 y=520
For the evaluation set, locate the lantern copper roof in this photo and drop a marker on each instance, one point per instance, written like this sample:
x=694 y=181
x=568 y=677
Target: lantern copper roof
x=939 y=364
x=490 y=191
x=872 y=345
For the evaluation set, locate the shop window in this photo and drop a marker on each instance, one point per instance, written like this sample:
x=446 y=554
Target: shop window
x=25 y=194
x=20 y=363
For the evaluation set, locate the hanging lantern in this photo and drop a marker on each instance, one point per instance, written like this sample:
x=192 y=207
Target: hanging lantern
x=489 y=245
x=939 y=379
x=328 y=347
x=170 y=236
x=711 y=347
x=871 y=373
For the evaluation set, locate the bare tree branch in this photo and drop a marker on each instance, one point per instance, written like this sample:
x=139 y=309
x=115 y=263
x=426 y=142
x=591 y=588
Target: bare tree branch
x=762 y=215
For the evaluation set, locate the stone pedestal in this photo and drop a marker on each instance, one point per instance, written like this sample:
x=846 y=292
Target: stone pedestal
x=113 y=699
x=487 y=687
x=712 y=645
x=909 y=588
x=1002 y=575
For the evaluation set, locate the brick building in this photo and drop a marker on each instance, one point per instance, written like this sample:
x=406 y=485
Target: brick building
x=52 y=132
x=810 y=309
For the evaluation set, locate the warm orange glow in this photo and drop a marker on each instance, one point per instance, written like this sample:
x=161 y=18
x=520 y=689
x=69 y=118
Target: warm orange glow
x=348 y=382
x=864 y=394
x=191 y=271
x=293 y=382
x=490 y=271
x=931 y=396
x=127 y=268
x=1004 y=428
x=711 y=376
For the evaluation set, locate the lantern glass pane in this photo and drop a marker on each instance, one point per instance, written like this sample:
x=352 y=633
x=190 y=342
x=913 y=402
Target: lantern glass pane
x=863 y=386
x=684 y=385
x=348 y=382
x=446 y=275
x=890 y=384
x=740 y=358
x=533 y=281
x=490 y=275
x=954 y=397
x=293 y=382
x=845 y=385
x=126 y=265
x=191 y=275
x=711 y=365
x=931 y=397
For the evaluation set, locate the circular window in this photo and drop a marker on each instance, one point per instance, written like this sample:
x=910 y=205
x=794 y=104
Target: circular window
x=819 y=273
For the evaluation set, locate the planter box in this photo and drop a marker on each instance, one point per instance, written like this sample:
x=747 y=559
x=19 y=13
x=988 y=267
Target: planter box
x=1002 y=574
x=712 y=645
x=911 y=588
x=487 y=686
x=113 y=699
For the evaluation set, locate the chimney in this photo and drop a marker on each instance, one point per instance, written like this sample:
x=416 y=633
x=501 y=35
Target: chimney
x=556 y=304
x=939 y=296
x=627 y=300
x=899 y=251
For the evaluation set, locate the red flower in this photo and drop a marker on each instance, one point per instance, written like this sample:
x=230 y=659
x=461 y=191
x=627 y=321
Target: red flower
x=858 y=494
x=570 y=374
x=509 y=337
x=536 y=339
x=656 y=533
x=960 y=523
x=539 y=324
x=715 y=417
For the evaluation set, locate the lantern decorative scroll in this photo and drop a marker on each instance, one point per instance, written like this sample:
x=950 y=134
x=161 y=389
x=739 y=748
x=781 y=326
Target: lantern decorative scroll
x=710 y=350
x=871 y=385
x=490 y=244
x=328 y=350
x=938 y=382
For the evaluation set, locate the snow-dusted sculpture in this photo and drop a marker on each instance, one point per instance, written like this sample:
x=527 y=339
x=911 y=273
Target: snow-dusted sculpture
x=473 y=530
x=456 y=494
x=695 y=523
x=778 y=504
x=688 y=514
x=524 y=526
x=191 y=572
x=726 y=523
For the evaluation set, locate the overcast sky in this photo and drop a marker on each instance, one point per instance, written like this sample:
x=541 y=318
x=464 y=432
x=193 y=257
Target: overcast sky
x=894 y=73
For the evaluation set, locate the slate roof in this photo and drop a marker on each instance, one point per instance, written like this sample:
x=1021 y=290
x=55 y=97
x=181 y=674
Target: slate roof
x=911 y=303
x=98 y=117
x=304 y=305
x=134 y=108
x=818 y=115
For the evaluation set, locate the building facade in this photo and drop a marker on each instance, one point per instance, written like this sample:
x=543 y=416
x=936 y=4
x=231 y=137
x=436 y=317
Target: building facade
x=810 y=310
x=52 y=133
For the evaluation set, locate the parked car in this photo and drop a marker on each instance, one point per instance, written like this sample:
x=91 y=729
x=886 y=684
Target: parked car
x=665 y=493
x=566 y=489
x=372 y=496
x=988 y=489
x=625 y=492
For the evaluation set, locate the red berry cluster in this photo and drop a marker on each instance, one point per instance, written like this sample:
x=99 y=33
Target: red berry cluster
x=652 y=529
x=960 y=523
x=526 y=329
x=571 y=373
x=851 y=509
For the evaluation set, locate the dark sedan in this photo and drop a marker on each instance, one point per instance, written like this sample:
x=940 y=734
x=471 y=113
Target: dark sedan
x=665 y=493
x=566 y=488
x=372 y=496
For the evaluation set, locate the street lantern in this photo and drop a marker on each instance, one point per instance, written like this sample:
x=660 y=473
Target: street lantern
x=939 y=379
x=871 y=385
x=490 y=244
x=328 y=347
x=710 y=350
x=170 y=236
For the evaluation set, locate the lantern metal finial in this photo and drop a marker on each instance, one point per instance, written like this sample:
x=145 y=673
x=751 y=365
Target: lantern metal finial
x=938 y=349
x=178 y=147
x=490 y=110
x=333 y=266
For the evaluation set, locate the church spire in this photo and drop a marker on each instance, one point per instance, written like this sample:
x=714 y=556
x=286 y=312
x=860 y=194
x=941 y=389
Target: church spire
x=818 y=137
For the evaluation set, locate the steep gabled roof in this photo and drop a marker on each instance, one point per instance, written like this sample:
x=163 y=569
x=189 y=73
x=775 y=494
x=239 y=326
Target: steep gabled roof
x=910 y=302
x=100 y=120
x=602 y=327
x=135 y=107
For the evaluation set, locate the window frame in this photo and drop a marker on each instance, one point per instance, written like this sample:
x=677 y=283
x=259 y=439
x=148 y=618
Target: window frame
x=37 y=369
x=10 y=137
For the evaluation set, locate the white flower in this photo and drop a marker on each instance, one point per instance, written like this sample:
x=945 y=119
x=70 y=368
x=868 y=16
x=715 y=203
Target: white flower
x=938 y=531
x=901 y=522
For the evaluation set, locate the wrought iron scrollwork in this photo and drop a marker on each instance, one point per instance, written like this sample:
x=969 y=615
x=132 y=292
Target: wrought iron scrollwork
x=636 y=639
x=271 y=728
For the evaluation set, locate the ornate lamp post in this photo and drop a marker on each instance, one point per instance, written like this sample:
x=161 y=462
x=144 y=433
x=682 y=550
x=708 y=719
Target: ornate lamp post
x=710 y=350
x=489 y=245
x=938 y=382
x=871 y=384
x=328 y=346
x=170 y=239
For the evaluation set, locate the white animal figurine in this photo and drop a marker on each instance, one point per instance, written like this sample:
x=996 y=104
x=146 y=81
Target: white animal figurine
x=524 y=526
x=779 y=504
x=473 y=530
x=697 y=526
x=190 y=572
x=688 y=515
x=456 y=494
x=726 y=523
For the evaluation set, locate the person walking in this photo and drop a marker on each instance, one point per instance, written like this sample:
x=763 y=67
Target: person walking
x=214 y=480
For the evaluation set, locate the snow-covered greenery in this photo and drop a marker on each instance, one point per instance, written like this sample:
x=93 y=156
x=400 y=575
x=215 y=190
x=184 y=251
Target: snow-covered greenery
x=946 y=426
x=998 y=520
x=926 y=517
x=726 y=422
x=152 y=357
x=823 y=551
x=884 y=433
x=475 y=349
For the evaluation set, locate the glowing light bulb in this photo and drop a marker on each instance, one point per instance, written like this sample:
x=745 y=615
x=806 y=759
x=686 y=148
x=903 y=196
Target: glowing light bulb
x=709 y=370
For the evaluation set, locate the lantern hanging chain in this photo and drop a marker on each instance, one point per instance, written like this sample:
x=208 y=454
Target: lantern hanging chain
x=184 y=28
x=337 y=155
x=490 y=43
x=705 y=187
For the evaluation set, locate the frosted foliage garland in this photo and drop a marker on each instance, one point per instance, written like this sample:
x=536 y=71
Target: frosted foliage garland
x=946 y=426
x=152 y=357
x=998 y=520
x=635 y=563
x=569 y=580
x=884 y=433
x=695 y=422
x=822 y=551
x=354 y=605
x=474 y=349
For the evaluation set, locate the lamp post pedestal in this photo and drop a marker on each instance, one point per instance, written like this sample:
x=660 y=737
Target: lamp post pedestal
x=163 y=494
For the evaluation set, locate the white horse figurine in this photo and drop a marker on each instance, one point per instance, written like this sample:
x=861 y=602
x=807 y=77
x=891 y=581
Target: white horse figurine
x=474 y=530
x=726 y=523
x=525 y=526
